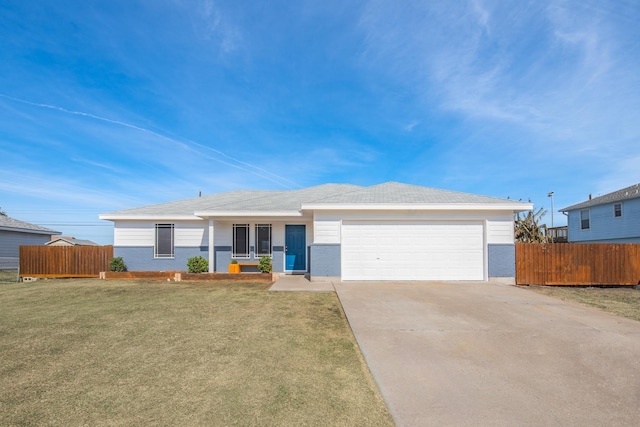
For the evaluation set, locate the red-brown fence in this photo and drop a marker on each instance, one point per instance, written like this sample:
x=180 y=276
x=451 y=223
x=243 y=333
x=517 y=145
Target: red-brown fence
x=64 y=261
x=577 y=264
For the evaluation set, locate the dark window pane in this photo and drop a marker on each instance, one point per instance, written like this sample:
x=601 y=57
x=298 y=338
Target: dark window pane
x=584 y=220
x=241 y=240
x=164 y=240
x=263 y=240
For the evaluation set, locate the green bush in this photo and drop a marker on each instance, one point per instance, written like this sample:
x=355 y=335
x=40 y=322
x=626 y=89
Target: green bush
x=117 y=264
x=197 y=264
x=234 y=261
x=265 y=264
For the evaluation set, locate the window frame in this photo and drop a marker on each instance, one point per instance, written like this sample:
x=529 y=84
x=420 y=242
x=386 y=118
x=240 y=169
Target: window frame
x=588 y=219
x=235 y=254
x=157 y=243
x=258 y=252
x=615 y=211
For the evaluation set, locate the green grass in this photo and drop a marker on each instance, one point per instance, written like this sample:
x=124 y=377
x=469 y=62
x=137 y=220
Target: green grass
x=623 y=302
x=91 y=352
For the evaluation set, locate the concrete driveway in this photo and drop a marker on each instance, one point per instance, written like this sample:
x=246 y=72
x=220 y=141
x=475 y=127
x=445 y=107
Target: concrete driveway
x=479 y=354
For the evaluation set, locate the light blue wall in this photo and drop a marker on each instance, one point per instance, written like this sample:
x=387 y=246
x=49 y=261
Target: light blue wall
x=278 y=259
x=324 y=260
x=502 y=260
x=604 y=227
x=221 y=258
x=141 y=258
x=10 y=242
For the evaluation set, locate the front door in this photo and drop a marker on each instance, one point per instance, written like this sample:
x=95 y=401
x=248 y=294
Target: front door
x=295 y=248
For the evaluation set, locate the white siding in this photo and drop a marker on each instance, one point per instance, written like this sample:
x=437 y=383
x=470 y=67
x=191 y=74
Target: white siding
x=142 y=233
x=191 y=234
x=133 y=233
x=326 y=231
x=500 y=232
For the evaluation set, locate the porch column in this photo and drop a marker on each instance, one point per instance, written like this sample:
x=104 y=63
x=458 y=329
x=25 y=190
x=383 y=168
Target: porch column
x=211 y=257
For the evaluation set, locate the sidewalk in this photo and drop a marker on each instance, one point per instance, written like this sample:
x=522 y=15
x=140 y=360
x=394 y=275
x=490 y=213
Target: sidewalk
x=299 y=283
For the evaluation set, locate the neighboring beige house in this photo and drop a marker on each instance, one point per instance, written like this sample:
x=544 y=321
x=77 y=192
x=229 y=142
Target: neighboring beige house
x=69 y=241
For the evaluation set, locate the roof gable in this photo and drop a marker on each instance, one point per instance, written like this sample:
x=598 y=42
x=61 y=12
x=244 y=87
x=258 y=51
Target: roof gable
x=631 y=192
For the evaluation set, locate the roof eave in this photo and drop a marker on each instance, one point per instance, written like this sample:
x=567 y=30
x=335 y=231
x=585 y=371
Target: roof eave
x=148 y=217
x=247 y=214
x=28 y=230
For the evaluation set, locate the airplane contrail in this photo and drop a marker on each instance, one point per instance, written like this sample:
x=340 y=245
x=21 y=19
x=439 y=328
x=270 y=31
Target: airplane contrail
x=247 y=167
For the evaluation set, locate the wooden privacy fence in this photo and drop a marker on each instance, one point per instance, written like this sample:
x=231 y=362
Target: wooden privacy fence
x=64 y=261
x=577 y=264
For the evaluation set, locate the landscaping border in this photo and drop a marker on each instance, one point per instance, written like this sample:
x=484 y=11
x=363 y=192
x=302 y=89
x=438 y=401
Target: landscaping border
x=179 y=276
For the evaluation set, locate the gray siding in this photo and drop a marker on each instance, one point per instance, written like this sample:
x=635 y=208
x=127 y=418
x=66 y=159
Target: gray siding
x=604 y=227
x=141 y=258
x=10 y=242
x=502 y=260
x=325 y=260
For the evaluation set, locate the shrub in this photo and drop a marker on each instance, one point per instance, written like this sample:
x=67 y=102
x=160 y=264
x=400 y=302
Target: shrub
x=265 y=264
x=117 y=264
x=197 y=264
x=234 y=261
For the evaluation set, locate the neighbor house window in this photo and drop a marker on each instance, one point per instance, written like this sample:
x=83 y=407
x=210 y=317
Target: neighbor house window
x=240 y=241
x=617 y=210
x=164 y=241
x=263 y=240
x=584 y=219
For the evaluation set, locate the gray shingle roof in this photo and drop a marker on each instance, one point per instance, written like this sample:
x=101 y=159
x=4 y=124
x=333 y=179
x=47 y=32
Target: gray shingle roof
x=292 y=200
x=395 y=192
x=631 y=192
x=8 y=223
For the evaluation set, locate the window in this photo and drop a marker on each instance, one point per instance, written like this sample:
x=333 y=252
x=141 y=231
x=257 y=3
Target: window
x=240 y=241
x=584 y=219
x=617 y=210
x=164 y=241
x=263 y=240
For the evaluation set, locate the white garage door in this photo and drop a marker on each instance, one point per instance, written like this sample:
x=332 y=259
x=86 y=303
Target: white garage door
x=412 y=250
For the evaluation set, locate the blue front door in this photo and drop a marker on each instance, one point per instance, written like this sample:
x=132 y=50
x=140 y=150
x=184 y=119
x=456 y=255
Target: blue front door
x=296 y=248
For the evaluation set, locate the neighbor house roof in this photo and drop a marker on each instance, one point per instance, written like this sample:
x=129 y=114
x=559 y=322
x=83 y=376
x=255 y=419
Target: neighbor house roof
x=293 y=202
x=72 y=241
x=11 y=224
x=631 y=192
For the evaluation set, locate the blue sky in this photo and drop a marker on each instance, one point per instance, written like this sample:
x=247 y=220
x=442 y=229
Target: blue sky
x=107 y=105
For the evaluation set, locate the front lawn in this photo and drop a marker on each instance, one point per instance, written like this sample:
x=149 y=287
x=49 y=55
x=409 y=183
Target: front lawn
x=623 y=302
x=92 y=352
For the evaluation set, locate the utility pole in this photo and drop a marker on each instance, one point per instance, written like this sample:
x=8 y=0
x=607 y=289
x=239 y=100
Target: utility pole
x=551 y=195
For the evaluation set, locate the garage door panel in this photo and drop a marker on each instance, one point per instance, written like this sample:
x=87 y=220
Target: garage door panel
x=412 y=251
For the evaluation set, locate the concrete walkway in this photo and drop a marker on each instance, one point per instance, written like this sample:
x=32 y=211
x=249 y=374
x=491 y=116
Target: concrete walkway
x=479 y=354
x=299 y=283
